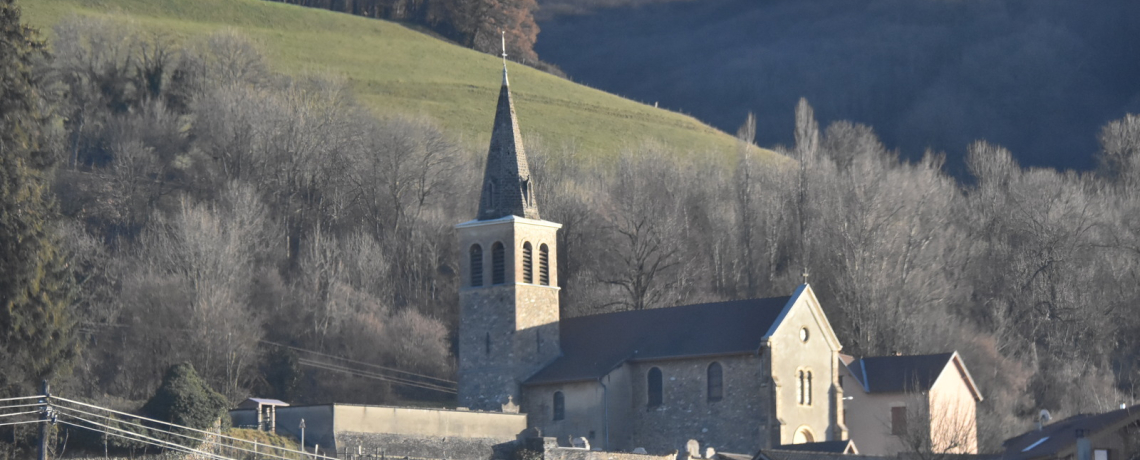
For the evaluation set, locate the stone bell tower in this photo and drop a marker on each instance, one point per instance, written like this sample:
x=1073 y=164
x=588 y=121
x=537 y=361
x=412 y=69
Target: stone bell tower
x=508 y=300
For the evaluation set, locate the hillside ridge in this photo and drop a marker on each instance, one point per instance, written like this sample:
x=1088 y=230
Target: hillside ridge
x=397 y=70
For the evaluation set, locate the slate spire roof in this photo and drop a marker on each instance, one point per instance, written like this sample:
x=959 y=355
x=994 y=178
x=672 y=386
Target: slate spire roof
x=507 y=186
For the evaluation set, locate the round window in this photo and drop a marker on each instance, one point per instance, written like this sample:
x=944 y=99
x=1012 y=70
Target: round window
x=804 y=334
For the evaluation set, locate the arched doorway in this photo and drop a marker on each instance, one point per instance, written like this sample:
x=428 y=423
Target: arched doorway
x=803 y=435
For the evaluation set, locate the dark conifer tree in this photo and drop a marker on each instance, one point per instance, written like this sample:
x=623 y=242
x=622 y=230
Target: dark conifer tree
x=36 y=327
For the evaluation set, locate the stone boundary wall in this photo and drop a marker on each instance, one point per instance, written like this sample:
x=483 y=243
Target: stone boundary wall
x=378 y=446
x=570 y=453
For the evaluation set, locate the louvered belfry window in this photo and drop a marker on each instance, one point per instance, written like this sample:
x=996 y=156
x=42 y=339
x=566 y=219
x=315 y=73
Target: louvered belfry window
x=528 y=269
x=476 y=265
x=498 y=264
x=543 y=265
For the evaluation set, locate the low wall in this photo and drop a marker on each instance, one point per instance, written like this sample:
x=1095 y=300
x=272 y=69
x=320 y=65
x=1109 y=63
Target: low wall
x=427 y=422
x=369 y=446
x=569 y=453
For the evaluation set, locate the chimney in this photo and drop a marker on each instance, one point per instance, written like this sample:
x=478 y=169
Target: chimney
x=1084 y=447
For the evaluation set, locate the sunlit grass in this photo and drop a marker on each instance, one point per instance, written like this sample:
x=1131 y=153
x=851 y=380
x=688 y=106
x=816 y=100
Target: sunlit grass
x=395 y=69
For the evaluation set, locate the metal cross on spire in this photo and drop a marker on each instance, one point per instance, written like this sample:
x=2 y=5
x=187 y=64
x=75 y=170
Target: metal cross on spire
x=503 y=35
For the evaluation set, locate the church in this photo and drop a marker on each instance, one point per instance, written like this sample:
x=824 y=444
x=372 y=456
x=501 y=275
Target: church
x=738 y=375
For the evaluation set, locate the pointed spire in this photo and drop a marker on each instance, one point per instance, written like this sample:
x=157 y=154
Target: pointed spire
x=507 y=186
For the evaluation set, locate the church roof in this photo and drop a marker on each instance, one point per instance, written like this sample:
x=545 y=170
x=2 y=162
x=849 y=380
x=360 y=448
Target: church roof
x=507 y=186
x=592 y=346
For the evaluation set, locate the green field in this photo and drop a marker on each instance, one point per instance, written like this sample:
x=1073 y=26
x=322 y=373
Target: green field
x=395 y=69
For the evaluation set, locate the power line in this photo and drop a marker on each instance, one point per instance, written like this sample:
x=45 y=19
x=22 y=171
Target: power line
x=21 y=413
x=231 y=446
x=391 y=369
x=21 y=397
x=16 y=406
x=179 y=426
x=142 y=438
x=372 y=375
x=20 y=423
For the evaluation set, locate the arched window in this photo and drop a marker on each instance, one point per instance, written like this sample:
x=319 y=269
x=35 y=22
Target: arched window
x=800 y=387
x=543 y=265
x=716 y=382
x=654 y=388
x=559 y=406
x=498 y=264
x=807 y=391
x=528 y=269
x=476 y=265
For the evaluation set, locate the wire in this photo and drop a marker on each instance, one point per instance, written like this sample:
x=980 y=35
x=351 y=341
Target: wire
x=22 y=405
x=372 y=375
x=177 y=426
x=364 y=373
x=127 y=422
x=358 y=362
x=20 y=423
x=176 y=447
x=20 y=413
x=21 y=397
x=150 y=438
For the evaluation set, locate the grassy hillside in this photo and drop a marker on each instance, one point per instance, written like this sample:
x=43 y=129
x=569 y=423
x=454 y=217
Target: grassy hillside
x=395 y=69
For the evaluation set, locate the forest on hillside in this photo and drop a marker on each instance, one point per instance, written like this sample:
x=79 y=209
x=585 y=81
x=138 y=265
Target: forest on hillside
x=210 y=211
x=1037 y=76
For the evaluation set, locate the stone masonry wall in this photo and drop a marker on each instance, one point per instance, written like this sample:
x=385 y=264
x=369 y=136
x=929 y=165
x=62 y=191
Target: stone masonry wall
x=374 y=446
x=731 y=424
x=507 y=332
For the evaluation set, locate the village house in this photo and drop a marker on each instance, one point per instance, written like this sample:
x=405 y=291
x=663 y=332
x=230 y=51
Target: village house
x=897 y=404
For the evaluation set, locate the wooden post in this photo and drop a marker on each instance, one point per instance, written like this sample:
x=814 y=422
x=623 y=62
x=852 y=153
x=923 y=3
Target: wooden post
x=45 y=418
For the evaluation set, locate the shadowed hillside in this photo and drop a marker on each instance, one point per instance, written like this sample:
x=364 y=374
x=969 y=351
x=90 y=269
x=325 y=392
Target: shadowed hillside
x=1038 y=76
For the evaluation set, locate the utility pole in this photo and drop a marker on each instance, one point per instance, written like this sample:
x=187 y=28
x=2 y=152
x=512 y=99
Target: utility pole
x=45 y=418
x=302 y=435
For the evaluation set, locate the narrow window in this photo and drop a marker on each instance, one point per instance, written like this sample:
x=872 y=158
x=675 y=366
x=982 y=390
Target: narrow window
x=654 y=388
x=807 y=392
x=559 y=406
x=476 y=265
x=487 y=345
x=543 y=265
x=498 y=264
x=716 y=382
x=489 y=200
x=800 y=387
x=528 y=269
x=898 y=420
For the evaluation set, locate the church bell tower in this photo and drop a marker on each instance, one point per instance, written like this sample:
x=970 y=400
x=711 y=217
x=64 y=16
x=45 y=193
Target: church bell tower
x=508 y=299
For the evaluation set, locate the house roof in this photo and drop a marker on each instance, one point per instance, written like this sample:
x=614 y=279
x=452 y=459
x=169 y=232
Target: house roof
x=834 y=447
x=781 y=454
x=1061 y=435
x=897 y=374
x=592 y=346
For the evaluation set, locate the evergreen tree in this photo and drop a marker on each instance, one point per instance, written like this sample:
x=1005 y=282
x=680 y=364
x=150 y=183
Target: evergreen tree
x=185 y=399
x=36 y=327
